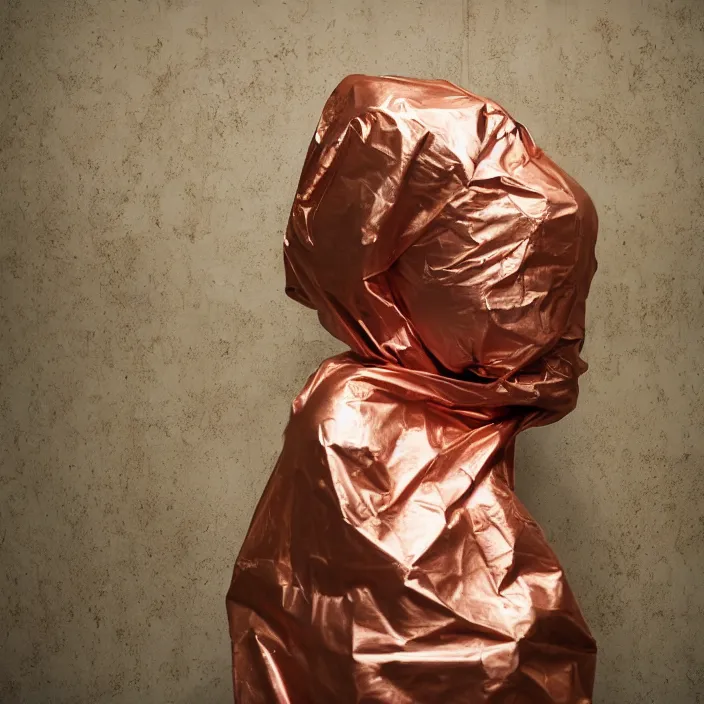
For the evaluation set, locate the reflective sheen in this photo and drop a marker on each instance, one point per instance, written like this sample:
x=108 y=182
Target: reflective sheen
x=389 y=559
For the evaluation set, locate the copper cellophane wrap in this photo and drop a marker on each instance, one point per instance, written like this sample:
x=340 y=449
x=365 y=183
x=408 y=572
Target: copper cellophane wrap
x=389 y=559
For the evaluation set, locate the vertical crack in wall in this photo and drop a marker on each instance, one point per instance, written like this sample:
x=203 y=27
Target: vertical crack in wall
x=464 y=64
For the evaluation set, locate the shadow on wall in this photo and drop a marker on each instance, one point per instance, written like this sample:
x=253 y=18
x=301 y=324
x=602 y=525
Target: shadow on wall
x=631 y=559
x=549 y=483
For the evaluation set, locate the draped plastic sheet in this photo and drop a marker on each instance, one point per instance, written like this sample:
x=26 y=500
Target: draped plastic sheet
x=389 y=559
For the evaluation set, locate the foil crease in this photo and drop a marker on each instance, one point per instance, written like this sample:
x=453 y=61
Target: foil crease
x=389 y=559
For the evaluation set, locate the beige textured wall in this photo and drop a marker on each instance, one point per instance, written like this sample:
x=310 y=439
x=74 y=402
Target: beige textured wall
x=149 y=152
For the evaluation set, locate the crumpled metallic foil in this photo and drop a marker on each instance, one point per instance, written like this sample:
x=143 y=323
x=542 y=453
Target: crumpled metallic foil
x=389 y=559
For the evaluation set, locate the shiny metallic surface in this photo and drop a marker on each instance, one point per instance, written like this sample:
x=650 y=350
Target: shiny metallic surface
x=389 y=559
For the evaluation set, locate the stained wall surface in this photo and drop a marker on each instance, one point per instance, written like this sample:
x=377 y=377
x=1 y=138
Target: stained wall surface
x=148 y=156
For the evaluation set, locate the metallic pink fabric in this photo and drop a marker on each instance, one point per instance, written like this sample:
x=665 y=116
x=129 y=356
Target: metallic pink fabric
x=389 y=559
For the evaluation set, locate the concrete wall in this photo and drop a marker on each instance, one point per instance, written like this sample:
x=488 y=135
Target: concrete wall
x=148 y=156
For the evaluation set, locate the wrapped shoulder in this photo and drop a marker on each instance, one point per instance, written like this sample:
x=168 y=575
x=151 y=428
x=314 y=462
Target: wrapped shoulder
x=334 y=404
